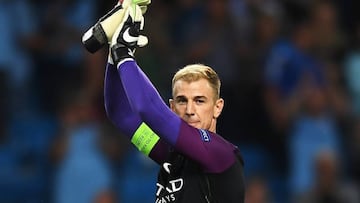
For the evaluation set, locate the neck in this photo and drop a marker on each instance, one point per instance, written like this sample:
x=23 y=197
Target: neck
x=213 y=126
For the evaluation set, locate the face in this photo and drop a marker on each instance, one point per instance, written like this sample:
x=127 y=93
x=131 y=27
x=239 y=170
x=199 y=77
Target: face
x=195 y=103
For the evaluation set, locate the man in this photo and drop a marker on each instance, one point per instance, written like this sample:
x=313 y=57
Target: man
x=198 y=165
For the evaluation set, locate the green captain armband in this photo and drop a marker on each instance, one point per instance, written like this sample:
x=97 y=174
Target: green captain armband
x=144 y=139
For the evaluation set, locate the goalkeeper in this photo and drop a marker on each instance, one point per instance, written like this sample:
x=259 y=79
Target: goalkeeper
x=198 y=165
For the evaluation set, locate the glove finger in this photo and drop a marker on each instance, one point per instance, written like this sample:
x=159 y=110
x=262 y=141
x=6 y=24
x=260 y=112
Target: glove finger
x=135 y=13
x=120 y=26
x=142 y=22
x=126 y=3
x=142 y=2
x=143 y=9
x=142 y=41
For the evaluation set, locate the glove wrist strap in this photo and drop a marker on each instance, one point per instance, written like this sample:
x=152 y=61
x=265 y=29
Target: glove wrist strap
x=95 y=38
x=120 y=52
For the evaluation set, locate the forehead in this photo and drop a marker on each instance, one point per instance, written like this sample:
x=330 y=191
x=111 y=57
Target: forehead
x=199 y=87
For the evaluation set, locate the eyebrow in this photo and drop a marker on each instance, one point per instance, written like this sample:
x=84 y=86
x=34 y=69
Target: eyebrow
x=180 y=97
x=200 y=97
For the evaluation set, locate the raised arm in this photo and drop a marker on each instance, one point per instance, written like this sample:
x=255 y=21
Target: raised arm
x=128 y=121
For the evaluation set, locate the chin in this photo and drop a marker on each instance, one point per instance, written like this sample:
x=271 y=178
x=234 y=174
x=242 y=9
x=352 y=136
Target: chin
x=195 y=125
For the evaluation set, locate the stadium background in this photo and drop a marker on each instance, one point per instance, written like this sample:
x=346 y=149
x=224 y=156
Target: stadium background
x=289 y=68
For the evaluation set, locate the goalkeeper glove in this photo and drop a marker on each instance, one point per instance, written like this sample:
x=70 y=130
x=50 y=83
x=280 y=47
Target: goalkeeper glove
x=101 y=33
x=127 y=35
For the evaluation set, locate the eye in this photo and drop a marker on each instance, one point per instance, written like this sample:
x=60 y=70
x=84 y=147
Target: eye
x=199 y=101
x=181 y=101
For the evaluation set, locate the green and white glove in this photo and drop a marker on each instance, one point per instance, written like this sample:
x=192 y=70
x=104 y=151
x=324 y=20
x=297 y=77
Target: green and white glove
x=127 y=35
x=101 y=33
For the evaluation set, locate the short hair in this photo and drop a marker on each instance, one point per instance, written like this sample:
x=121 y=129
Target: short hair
x=194 y=72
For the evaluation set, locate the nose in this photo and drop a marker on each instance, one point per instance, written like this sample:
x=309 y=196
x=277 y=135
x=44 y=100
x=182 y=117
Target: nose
x=190 y=109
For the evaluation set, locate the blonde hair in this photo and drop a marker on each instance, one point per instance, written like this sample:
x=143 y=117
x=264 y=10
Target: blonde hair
x=194 y=72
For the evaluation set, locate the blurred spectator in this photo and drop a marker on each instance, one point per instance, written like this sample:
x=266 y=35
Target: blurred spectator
x=352 y=71
x=330 y=186
x=304 y=100
x=82 y=172
x=18 y=23
x=329 y=38
x=83 y=176
x=136 y=178
x=288 y=62
x=24 y=136
x=255 y=44
x=314 y=129
x=24 y=159
x=57 y=50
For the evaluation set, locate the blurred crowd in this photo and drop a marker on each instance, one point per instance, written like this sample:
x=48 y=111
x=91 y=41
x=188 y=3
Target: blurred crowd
x=290 y=74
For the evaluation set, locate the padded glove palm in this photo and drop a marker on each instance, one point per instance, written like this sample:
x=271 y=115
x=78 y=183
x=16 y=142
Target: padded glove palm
x=127 y=35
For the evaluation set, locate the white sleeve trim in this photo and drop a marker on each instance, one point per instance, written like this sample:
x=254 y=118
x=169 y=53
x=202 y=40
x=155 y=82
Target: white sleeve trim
x=123 y=61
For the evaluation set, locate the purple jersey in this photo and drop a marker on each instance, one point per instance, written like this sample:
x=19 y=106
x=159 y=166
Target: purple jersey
x=136 y=108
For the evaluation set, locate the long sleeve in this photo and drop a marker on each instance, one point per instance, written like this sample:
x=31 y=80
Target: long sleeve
x=146 y=101
x=120 y=113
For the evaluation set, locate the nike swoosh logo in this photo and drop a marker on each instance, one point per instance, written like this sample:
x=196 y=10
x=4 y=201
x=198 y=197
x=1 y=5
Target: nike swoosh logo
x=128 y=38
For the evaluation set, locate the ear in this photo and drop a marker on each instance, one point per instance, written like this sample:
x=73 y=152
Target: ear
x=172 y=105
x=218 y=107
